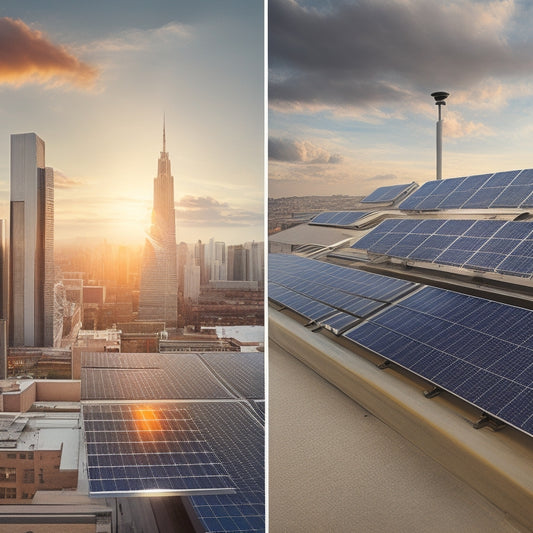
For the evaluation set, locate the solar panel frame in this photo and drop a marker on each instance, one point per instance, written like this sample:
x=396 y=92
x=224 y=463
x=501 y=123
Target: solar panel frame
x=154 y=462
x=386 y=194
x=491 y=244
x=490 y=371
x=508 y=189
x=338 y=218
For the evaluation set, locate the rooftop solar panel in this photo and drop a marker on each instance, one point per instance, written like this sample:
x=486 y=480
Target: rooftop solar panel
x=479 y=350
x=159 y=379
x=510 y=189
x=242 y=372
x=238 y=439
x=157 y=448
x=338 y=218
x=387 y=194
x=498 y=246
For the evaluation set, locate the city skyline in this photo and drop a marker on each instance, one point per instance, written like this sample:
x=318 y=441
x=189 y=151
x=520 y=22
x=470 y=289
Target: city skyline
x=349 y=92
x=97 y=88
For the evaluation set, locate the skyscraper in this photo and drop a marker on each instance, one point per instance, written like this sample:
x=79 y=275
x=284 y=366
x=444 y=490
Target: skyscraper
x=158 y=298
x=32 y=244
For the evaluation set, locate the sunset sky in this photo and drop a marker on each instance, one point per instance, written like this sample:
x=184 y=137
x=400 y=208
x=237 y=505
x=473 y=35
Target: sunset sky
x=350 y=82
x=94 y=81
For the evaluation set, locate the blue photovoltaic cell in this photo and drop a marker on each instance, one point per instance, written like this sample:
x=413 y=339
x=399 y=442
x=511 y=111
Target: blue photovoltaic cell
x=339 y=322
x=338 y=218
x=477 y=349
x=289 y=270
x=243 y=372
x=149 y=447
x=486 y=245
x=386 y=194
x=112 y=376
x=510 y=189
x=238 y=439
x=307 y=307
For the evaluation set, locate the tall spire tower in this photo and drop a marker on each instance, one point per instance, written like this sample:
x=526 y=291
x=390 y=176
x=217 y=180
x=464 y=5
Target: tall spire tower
x=158 y=298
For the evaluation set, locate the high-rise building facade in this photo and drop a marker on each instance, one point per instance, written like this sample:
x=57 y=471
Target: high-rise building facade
x=158 y=297
x=31 y=315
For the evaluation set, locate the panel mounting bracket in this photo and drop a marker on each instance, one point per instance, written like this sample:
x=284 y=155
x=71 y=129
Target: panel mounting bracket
x=384 y=365
x=435 y=391
x=487 y=420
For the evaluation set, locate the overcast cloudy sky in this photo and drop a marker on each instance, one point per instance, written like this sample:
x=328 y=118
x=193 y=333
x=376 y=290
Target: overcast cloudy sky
x=350 y=82
x=94 y=79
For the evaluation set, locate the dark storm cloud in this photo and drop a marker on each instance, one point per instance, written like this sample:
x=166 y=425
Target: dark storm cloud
x=292 y=151
x=371 y=51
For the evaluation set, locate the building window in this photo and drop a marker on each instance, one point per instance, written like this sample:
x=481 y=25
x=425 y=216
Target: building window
x=22 y=456
x=8 y=493
x=30 y=455
x=8 y=474
x=11 y=455
x=29 y=476
x=25 y=496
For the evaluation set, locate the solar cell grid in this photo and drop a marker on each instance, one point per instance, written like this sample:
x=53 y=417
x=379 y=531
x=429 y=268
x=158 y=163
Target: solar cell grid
x=239 y=443
x=158 y=463
x=386 y=194
x=243 y=371
x=485 y=245
x=355 y=282
x=338 y=218
x=481 y=360
x=191 y=380
x=503 y=189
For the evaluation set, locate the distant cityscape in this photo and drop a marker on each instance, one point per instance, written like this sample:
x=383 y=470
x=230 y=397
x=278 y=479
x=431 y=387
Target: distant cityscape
x=284 y=213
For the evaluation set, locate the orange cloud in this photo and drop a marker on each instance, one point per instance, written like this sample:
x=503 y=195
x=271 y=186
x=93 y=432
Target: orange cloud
x=27 y=56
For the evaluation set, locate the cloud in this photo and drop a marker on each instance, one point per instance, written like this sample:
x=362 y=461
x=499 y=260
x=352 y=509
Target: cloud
x=28 y=56
x=456 y=126
x=379 y=52
x=299 y=151
x=61 y=181
x=206 y=211
x=136 y=39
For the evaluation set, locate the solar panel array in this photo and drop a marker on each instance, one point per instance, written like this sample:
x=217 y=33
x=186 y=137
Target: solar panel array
x=489 y=245
x=338 y=218
x=158 y=378
x=243 y=372
x=387 y=194
x=139 y=448
x=240 y=446
x=501 y=190
x=210 y=448
x=477 y=349
x=333 y=296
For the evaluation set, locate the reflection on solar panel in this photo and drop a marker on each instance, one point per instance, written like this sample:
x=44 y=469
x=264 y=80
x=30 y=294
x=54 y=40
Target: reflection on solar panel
x=338 y=218
x=503 y=189
x=477 y=349
x=160 y=378
x=489 y=245
x=240 y=446
x=151 y=447
x=387 y=194
x=242 y=372
x=210 y=447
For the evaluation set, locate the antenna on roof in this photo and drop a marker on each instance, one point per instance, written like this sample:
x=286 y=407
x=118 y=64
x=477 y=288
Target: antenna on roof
x=439 y=96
